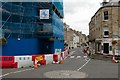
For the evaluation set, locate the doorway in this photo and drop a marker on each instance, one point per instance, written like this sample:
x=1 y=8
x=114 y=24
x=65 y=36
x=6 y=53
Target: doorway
x=46 y=47
x=106 y=48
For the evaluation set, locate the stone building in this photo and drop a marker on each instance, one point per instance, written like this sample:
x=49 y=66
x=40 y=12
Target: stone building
x=104 y=27
x=68 y=35
x=73 y=38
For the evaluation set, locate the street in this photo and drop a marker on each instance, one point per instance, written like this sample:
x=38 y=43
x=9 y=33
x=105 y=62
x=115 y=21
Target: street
x=74 y=66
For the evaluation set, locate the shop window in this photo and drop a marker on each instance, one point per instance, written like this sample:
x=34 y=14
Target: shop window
x=106 y=15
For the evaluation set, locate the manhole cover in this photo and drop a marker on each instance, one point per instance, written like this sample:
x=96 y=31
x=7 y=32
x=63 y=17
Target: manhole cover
x=65 y=74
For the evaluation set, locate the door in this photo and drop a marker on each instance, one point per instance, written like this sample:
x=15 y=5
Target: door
x=106 y=48
x=46 y=47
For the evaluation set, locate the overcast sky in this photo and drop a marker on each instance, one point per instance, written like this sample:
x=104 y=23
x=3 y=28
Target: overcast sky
x=77 y=13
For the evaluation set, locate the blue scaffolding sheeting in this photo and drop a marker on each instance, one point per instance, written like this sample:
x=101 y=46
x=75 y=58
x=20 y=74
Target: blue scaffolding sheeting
x=59 y=6
x=23 y=18
x=57 y=26
x=20 y=18
x=26 y=33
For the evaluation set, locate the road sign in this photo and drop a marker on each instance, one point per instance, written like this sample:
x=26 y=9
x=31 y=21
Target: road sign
x=57 y=51
x=39 y=58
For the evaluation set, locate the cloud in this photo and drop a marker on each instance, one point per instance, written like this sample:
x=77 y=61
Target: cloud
x=79 y=12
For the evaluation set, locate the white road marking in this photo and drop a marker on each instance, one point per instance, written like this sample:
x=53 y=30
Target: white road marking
x=83 y=65
x=71 y=53
x=72 y=56
x=15 y=72
x=78 y=57
x=85 y=56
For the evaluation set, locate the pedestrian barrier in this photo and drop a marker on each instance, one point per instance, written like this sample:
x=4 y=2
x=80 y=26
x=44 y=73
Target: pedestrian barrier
x=66 y=52
x=61 y=58
x=49 y=58
x=23 y=61
x=39 y=60
x=55 y=58
x=29 y=61
x=7 y=62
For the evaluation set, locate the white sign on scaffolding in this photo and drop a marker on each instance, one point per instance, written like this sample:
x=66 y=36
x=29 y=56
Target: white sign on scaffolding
x=44 y=14
x=57 y=51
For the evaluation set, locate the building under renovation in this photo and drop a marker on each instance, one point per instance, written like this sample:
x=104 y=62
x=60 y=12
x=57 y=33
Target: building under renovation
x=30 y=28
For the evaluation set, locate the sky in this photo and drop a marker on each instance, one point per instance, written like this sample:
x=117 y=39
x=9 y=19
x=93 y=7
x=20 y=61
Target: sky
x=78 y=13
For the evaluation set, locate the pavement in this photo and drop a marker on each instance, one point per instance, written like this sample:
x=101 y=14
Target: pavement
x=101 y=57
x=76 y=65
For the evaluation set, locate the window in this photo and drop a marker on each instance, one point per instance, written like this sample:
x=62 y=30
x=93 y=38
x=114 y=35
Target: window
x=105 y=15
x=106 y=33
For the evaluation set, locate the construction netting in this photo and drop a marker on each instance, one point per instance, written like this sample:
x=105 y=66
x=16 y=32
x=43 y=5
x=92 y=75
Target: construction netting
x=22 y=19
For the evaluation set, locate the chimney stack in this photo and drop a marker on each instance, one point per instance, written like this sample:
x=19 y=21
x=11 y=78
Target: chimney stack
x=104 y=2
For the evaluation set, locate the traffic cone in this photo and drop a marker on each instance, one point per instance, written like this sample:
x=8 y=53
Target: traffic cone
x=35 y=66
x=61 y=60
x=113 y=60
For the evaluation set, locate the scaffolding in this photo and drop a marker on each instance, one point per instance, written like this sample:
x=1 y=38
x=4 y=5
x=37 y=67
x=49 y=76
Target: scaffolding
x=21 y=19
x=21 y=25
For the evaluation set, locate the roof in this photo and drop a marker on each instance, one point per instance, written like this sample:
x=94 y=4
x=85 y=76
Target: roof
x=108 y=4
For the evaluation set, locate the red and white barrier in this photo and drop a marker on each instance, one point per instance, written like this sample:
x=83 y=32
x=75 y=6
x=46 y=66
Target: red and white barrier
x=30 y=60
x=49 y=58
x=23 y=61
x=8 y=62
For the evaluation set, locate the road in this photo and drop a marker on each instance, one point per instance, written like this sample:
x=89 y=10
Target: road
x=74 y=66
